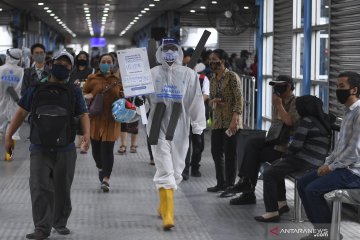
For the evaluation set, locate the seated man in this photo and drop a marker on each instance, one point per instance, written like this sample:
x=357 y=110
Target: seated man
x=284 y=111
x=306 y=151
x=342 y=168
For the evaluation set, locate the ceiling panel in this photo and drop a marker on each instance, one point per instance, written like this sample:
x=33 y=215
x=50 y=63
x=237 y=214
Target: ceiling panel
x=120 y=14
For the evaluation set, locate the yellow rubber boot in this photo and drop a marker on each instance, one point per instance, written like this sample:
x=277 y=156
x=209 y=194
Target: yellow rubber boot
x=161 y=203
x=168 y=208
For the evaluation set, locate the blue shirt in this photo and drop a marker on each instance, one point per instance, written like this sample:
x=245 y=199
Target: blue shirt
x=347 y=150
x=80 y=108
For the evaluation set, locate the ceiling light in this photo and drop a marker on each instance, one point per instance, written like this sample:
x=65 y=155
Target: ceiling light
x=85 y=4
x=87 y=18
x=156 y=0
x=246 y=7
x=46 y=8
x=214 y=2
x=136 y=17
x=135 y=21
x=53 y=14
x=151 y=5
x=107 y=5
x=88 y=14
x=86 y=11
x=40 y=4
x=192 y=11
x=86 y=8
x=107 y=9
x=140 y=15
x=58 y=19
x=0 y=9
x=131 y=23
x=105 y=15
x=142 y=11
x=202 y=7
x=49 y=11
x=146 y=9
x=326 y=6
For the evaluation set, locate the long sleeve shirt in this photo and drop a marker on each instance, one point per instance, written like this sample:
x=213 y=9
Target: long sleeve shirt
x=347 y=150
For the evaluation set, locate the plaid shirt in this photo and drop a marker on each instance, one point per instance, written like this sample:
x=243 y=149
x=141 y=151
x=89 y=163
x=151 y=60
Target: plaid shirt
x=347 y=150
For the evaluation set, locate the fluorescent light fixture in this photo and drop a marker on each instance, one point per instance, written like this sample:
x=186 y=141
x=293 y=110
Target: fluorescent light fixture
x=53 y=14
x=246 y=7
x=49 y=11
x=146 y=9
x=40 y=4
x=105 y=15
x=135 y=21
x=202 y=7
x=46 y=8
x=107 y=5
x=58 y=19
x=140 y=15
x=136 y=17
x=86 y=8
x=214 y=2
x=156 y=0
x=151 y=5
x=143 y=11
x=107 y=9
x=192 y=11
x=88 y=14
x=326 y=6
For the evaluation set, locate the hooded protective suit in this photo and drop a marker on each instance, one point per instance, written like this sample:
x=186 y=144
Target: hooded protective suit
x=10 y=76
x=174 y=83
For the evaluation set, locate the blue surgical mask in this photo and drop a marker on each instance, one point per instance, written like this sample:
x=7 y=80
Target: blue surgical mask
x=170 y=55
x=105 y=68
x=60 y=72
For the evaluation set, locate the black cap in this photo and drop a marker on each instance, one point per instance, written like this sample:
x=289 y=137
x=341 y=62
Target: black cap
x=282 y=79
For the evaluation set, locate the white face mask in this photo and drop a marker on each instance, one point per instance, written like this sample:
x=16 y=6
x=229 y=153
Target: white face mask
x=170 y=55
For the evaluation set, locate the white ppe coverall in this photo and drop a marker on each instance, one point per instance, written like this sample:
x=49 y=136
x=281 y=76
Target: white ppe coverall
x=11 y=75
x=175 y=83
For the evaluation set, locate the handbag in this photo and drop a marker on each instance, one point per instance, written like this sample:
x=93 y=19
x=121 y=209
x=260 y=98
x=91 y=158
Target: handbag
x=279 y=133
x=97 y=104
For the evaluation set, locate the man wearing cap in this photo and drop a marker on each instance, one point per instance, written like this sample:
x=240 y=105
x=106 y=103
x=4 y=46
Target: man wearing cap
x=51 y=169
x=283 y=111
x=10 y=78
x=177 y=93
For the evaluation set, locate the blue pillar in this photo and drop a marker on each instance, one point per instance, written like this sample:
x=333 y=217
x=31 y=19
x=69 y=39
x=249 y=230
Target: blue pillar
x=259 y=47
x=307 y=48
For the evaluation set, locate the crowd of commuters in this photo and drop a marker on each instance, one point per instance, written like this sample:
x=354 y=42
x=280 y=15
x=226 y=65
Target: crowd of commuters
x=212 y=91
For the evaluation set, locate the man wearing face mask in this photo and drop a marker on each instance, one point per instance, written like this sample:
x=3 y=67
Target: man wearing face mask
x=177 y=90
x=53 y=105
x=284 y=111
x=39 y=69
x=342 y=168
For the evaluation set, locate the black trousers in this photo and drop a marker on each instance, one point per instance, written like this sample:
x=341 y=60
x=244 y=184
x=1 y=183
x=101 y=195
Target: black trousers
x=51 y=176
x=222 y=145
x=250 y=166
x=193 y=156
x=274 y=183
x=103 y=154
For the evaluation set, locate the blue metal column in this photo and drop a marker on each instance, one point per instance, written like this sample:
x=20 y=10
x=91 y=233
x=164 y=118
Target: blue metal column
x=307 y=48
x=259 y=47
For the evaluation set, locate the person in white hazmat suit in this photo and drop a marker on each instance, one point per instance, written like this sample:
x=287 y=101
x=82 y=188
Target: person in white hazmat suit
x=173 y=84
x=11 y=76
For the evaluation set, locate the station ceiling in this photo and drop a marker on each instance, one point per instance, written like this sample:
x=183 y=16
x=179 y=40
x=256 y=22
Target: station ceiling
x=69 y=16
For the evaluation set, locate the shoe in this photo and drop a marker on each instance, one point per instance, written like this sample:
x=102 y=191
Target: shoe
x=105 y=186
x=185 y=174
x=242 y=186
x=274 y=219
x=283 y=209
x=167 y=205
x=226 y=194
x=133 y=149
x=122 y=149
x=38 y=235
x=216 y=188
x=62 y=230
x=152 y=162
x=243 y=199
x=195 y=173
x=101 y=177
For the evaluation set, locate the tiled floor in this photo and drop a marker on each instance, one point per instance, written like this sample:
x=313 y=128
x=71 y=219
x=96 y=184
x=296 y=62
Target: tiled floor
x=129 y=210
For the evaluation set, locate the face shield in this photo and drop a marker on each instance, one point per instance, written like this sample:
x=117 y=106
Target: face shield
x=169 y=52
x=13 y=56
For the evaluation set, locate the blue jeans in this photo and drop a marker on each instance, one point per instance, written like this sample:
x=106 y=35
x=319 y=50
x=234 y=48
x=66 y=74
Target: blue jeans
x=312 y=188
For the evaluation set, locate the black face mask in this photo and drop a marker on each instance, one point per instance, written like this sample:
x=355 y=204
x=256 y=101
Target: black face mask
x=342 y=95
x=81 y=62
x=215 y=65
x=60 y=72
x=280 y=89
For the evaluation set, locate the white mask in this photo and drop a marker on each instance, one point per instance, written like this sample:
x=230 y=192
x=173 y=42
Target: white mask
x=170 y=55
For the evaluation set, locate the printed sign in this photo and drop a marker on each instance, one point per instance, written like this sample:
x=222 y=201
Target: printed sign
x=135 y=72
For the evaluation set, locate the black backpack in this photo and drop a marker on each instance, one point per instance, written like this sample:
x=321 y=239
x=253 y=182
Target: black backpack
x=53 y=115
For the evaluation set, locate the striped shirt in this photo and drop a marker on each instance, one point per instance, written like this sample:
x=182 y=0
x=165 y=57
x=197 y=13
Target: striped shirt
x=347 y=150
x=310 y=144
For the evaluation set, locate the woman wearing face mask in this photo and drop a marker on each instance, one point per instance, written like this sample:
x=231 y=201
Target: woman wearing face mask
x=104 y=131
x=78 y=76
x=227 y=103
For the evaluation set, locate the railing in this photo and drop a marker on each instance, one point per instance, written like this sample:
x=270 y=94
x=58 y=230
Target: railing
x=248 y=86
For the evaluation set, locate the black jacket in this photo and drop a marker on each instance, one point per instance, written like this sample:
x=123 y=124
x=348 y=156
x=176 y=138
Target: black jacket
x=30 y=78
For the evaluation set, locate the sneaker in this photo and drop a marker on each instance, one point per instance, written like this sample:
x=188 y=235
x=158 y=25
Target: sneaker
x=62 y=230
x=216 y=188
x=105 y=186
x=38 y=235
x=195 y=173
x=244 y=199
